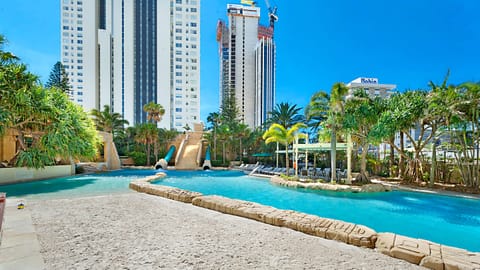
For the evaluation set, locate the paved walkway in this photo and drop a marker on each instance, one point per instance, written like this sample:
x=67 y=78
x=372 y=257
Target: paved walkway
x=19 y=248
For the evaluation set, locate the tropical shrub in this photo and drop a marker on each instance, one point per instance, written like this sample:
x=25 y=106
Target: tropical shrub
x=48 y=126
x=139 y=158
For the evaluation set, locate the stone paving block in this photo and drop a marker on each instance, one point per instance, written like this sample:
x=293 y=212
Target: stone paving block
x=456 y=258
x=339 y=230
x=16 y=239
x=292 y=220
x=34 y=262
x=385 y=242
x=410 y=249
x=435 y=250
x=272 y=217
x=362 y=236
x=267 y=214
x=20 y=248
x=432 y=262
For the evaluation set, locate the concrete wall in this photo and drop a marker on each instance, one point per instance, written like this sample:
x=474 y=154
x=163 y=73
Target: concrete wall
x=17 y=175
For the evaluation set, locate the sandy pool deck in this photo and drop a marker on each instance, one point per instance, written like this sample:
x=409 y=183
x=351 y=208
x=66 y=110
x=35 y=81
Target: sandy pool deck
x=140 y=231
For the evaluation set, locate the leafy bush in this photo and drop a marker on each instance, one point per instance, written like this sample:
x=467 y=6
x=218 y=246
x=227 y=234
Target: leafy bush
x=219 y=163
x=139 y=158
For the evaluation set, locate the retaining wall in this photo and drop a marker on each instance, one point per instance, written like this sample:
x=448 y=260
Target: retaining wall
x=18 y=175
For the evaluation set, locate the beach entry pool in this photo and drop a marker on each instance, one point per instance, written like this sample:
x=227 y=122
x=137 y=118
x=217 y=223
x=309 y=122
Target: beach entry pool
x=442 y=219
x=76 y=186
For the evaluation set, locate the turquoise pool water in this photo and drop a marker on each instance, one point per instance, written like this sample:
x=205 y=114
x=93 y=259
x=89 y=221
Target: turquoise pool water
x=76 y=186
x=443 y=219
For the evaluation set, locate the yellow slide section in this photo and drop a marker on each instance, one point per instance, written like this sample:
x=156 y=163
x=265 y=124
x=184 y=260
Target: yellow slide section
x=187 y=159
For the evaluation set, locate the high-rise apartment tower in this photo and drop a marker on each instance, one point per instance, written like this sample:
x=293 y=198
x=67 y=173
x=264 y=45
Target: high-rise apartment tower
x=247 y=63
x=126 y=53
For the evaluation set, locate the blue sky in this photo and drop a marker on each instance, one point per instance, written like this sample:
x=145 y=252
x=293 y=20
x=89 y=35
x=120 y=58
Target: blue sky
x=407 y=43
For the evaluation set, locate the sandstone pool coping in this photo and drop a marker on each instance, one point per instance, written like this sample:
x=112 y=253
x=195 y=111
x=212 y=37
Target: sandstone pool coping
x=418 y=251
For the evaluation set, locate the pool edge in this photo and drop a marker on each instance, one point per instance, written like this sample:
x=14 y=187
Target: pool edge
x=417 y=251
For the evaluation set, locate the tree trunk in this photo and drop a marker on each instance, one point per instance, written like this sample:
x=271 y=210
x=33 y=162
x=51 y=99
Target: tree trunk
x=349 y=158
x=155 y=150
x=148 y=154
x=333 y=152
x=392 y=157
x=401 y=165
x=362 y=177
x=287 y=161
x=21 y=139
x=433 y=168
x=241 y=154
x=214 y=143
x=417 y=168
x=223 y=153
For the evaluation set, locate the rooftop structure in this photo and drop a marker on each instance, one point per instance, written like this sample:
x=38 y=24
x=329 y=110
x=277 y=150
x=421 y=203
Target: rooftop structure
x=371 y=86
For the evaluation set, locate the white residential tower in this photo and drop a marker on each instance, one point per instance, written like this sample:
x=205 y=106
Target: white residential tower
x=126 y=53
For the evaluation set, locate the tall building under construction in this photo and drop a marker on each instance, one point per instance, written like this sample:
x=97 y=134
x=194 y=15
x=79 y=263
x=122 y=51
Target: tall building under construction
x=247 y=63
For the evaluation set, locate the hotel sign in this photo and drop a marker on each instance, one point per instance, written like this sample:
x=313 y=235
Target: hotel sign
x=369 y=80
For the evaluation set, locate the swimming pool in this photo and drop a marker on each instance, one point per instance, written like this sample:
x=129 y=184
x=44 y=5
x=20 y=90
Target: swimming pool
x=76 y=186
x=443 y=219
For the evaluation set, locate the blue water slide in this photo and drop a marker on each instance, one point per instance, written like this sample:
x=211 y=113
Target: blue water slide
x=170 y=153
x=207 y=164
x=163 y=163
x=207 y=153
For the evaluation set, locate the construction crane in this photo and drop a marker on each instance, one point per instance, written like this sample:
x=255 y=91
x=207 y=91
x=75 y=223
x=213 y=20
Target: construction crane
x=272 y=11
x=272 y=14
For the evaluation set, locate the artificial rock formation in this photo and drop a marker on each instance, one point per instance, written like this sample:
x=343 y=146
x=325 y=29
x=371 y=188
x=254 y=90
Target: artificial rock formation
x=144 y=185
x=425 y=253
x=330 y=187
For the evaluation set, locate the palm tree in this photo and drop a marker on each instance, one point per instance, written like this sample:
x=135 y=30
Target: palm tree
x=241 y=131
x=317 y=110
x=285 y=114
x=5 y=57
x=336 y=104
x=154 y=111
x=278 y=133
x=214 y=120
x=147 y=133
x=167 y=136
x=108 y=121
